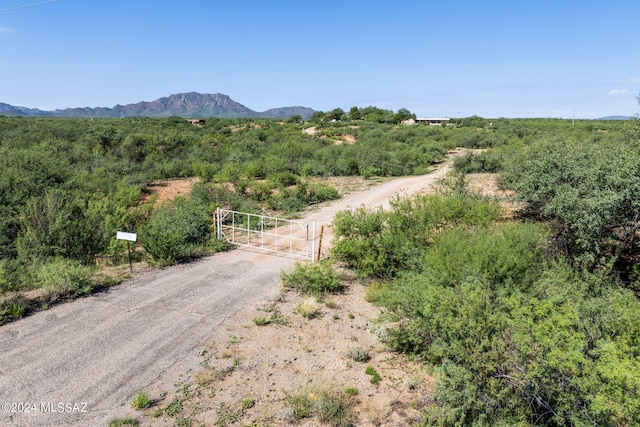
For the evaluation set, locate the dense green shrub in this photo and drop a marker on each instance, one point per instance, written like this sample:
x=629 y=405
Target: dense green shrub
x=295 y=199
x=478 y=264
x=12 y=308
x=516 y=340
x=588 y=190
x=57 y=279
x=62 y=224
x=176 y=232
x=316 y=278
x=63 y=278
x=382 y=243
x=484 y=161
x=283 y=179
x=8 y=279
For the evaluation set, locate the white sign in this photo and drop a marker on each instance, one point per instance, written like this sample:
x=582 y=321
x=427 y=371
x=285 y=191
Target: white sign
x=121 y=235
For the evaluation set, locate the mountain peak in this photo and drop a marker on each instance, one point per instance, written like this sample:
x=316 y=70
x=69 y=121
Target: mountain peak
x=189 y=104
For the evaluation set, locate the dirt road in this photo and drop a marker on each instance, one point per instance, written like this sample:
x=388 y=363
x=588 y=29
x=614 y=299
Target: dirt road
x=80 y=363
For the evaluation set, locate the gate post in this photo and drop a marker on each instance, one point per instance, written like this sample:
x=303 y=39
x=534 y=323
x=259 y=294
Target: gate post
x=219 y=223
x=313 y=242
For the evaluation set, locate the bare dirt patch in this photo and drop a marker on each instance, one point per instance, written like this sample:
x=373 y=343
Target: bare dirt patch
x=350 y=139
x=486 y=184
x=243 y=127
x=170 y=189
x=262 y=364
x=310 y=131
x=347 y=185
x=346 y=139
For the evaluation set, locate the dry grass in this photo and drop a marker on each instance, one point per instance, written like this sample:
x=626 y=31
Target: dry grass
x=308 y=309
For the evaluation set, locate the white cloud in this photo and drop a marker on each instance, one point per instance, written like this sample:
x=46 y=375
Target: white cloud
x=5 y=30
x=616 y=92
x=635 y=80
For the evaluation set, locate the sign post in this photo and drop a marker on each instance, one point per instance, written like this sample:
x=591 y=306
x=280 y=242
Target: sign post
x=129 y=237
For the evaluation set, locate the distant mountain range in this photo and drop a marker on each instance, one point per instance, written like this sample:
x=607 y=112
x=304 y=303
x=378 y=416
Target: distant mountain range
x=616 y=118
x=188 y=105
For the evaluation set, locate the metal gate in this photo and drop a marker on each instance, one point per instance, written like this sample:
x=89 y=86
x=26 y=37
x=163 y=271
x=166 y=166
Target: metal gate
x=294 y=238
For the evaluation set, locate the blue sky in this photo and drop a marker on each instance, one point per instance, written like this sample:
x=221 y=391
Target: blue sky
x=454 y=58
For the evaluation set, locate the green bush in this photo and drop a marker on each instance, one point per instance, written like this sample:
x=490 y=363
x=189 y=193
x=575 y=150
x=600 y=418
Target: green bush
x=7 y=282
x=351 y=391
x=261 y=321
x=514 y=337
x=289 y=202
x=323 y=402
x=375 y=376
x=141 y=400
x=283 y=179
x=58 y=278
x=174 y=408
x=484 y=161
x=61 y=278
x=176 y=232
x=12 y=308
x=122 y=422
x=382 y=243
x=589 y=191
x=315 y=278
x=296 y=199
x=318 y=193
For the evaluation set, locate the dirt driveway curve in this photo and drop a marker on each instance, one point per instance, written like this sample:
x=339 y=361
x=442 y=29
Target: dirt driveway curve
x=79 y=363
